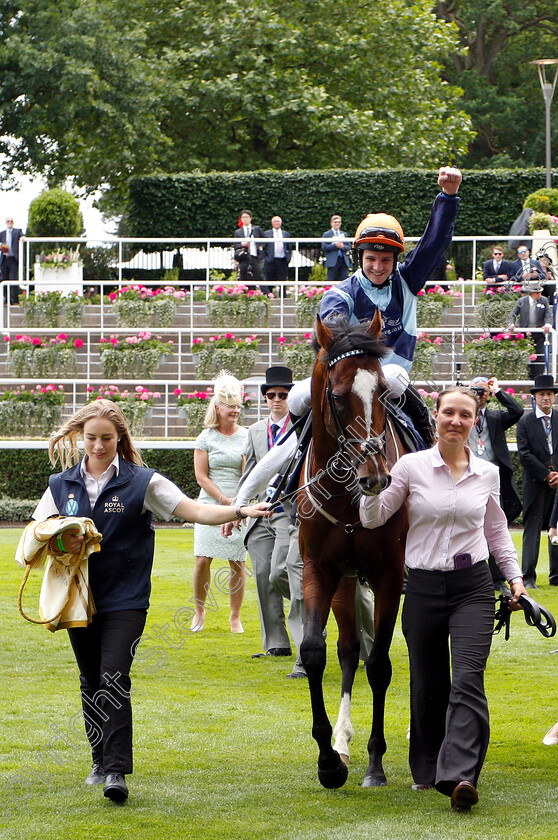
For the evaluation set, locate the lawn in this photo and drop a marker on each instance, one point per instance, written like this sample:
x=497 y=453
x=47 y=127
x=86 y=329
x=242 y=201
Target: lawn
x=223 y=745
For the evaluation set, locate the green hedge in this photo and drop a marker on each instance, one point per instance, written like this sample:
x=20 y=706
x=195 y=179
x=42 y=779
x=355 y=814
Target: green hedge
x=24 y=473
x=208 y=204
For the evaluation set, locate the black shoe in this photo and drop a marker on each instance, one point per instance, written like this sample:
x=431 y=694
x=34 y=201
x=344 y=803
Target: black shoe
x=97 y=775
x=297 y=675
x=115 y=787
x=273 y=652
x=464 y=796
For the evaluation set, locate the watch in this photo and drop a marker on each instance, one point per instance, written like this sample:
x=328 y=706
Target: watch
x=238 y=510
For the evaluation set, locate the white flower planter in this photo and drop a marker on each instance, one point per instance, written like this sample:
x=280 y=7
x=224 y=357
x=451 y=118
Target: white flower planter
x=64 y=280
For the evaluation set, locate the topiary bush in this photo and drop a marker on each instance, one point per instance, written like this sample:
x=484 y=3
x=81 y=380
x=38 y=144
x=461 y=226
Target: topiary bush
x=55 y=213
x=544 y=200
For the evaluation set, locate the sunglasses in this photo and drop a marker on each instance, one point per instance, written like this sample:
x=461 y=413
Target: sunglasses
x=270 y=395
x=523 y=251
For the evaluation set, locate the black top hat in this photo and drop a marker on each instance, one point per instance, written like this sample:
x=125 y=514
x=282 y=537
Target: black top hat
x=544 y=382
x=277 y=376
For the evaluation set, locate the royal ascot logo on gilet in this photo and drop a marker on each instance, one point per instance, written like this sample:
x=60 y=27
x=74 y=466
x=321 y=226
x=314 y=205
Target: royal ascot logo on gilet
x=114 y=506
x=71 y=507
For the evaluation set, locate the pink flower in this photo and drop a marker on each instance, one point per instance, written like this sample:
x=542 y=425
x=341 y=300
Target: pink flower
x=420 y=292
x=510 y=391
x=156 y=395
x=78 y=343
x=6 y=338
x=271 y=296
x=144 y=396
x=36 y=341
x=177 y=392
x=89 y=389
x=140 y=389
x=281 y=340
x=103 y=340
x=113 y=296
x=229 y=335
x=533 y=357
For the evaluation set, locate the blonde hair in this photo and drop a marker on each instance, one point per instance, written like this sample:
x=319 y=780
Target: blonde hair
x=226 y=389
x=63 y=444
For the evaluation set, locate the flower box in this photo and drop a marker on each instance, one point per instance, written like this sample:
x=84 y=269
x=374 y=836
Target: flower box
x=494 y=309
x=192 y=408
x=307 y=303
x=135 y=405
x=297 y=354
x=26 y=413
x=134 y=356
x=51 y=309
x=237 y=355
x=426 y=352
x=504 y=355
x=238 y=306
x=431 y=305
x=34 y=356
x=60 y=271
x=140 y=306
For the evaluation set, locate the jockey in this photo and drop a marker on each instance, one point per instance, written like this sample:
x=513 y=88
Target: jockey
x=381 y=282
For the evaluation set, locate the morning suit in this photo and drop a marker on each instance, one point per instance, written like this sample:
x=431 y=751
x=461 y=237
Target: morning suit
x=277 y=267
x=493 y=425
x=249 y=266
x=9 y=262
x=267 y=542
x=538 y=496
x=543 y=315
x=337 y=260
x=491 y=276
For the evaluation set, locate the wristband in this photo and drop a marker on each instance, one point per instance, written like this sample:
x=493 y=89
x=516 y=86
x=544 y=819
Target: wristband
x=60 y=544
x=238 y=513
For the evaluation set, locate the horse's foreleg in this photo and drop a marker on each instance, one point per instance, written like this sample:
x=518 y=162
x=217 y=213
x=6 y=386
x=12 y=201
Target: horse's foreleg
x=378 y=671
x=332 y=772
x=348 y=647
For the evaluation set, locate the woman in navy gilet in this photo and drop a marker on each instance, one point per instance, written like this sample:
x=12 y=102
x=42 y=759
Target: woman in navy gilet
x=111 y=485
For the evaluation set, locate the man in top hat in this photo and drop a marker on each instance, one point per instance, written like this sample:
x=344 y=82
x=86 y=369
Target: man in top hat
x=533 y=310
x=537 y=444
x=268 y=541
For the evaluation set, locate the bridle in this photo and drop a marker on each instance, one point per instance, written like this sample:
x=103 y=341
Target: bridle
x=371 y=446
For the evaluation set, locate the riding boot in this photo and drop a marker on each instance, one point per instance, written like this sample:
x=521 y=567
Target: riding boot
x=414 y=407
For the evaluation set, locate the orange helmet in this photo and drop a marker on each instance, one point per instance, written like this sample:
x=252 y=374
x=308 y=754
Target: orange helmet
x=379 y=232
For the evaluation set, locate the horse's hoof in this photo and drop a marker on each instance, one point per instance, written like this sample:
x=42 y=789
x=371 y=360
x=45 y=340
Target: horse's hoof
x=345 y=759
x=333 y=778
x=376 y=780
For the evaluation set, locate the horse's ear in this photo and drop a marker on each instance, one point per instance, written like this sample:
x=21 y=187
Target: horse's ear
x=323 y=334
x=375 y=325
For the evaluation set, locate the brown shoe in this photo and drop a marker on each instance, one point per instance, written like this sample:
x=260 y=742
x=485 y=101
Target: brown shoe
x=464 y=796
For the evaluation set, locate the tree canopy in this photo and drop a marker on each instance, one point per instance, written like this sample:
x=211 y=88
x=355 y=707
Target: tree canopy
x=104 y=90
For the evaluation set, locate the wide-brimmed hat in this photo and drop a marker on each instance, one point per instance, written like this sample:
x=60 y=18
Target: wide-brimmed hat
x=277 y=376
x=544 y=382
x=532 y=286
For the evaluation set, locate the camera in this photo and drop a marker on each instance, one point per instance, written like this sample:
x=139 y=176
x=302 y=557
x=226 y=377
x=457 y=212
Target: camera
x=478 y=389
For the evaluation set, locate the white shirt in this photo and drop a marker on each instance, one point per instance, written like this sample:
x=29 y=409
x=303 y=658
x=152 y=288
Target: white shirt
x=445 y=518
x=279 y=247
x=253 y=246
x=161 y=496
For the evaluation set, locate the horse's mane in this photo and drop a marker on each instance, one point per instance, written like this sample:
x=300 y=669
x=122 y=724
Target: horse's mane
x=347 y=336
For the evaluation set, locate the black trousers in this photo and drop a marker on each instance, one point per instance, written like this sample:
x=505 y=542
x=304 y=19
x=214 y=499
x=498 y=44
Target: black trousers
x=339 y=271
x=535 y=519
x=9 y=272
x=276 y=271
x=103 y=652
x=250 y=271
x=449 y=712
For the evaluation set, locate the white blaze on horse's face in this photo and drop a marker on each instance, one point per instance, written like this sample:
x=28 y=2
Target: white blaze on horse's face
x=364 y=386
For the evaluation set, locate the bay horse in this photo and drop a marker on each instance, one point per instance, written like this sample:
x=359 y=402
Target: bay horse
x=353 y=445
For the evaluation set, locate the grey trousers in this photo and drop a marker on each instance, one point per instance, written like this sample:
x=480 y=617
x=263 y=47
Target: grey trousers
x=268 y=546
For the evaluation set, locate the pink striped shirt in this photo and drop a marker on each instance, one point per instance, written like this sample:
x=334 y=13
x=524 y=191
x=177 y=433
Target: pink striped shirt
x=445 y=518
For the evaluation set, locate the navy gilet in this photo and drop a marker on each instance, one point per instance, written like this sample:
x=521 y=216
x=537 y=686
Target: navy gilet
x=120 y=575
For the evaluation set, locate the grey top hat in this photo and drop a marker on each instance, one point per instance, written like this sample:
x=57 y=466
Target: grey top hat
x=532 y=286
x=544 y=382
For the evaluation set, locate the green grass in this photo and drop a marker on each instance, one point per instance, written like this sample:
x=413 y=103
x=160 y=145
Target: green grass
x=223 y=745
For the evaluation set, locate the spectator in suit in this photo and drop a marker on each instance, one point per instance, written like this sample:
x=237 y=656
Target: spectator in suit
x=496 y=271
x=247 y=254
x=268 y=546
x=537 y=444
x=488 y=441
x=525 y=268
x=533 y=310
x=277 y=255
x=9 y=255
x=337 y=258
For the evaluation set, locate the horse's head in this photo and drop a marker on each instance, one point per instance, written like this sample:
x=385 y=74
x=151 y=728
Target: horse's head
x=352 y=393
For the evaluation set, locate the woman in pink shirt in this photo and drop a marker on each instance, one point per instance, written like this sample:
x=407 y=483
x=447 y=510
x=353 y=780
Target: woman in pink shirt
x=455 y=519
